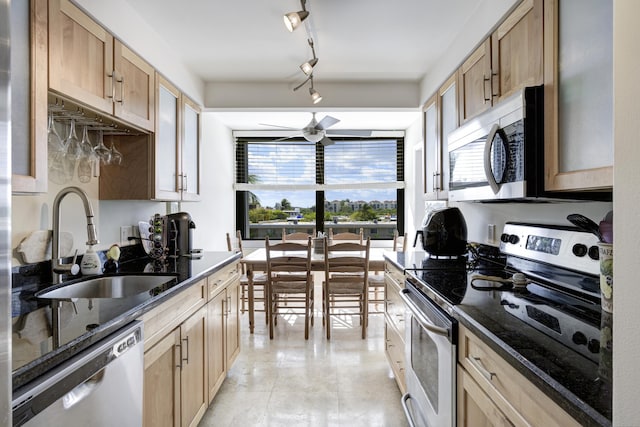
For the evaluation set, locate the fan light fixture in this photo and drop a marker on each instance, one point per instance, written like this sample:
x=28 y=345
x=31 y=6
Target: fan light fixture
x=307 y=67
x=293 y=20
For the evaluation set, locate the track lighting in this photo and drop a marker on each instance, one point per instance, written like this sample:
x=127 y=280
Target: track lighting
x=315 y=95
x=293 y=20
x=307 y=67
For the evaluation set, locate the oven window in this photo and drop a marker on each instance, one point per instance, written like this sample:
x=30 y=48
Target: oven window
x=424 y=362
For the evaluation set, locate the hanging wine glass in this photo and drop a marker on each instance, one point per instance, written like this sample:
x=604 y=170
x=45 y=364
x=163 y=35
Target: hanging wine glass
x=85 y=145
x=116 y=156
x=101 y=150
x=74 y=151
x=60 y=168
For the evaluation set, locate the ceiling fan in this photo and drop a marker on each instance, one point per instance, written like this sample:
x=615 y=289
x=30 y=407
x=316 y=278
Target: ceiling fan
x=316 y=131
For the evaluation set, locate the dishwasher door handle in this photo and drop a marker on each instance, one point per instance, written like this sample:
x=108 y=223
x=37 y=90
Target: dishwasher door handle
x=83 y=390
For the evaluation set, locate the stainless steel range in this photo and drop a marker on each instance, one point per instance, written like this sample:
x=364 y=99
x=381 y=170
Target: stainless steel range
x=543 y=282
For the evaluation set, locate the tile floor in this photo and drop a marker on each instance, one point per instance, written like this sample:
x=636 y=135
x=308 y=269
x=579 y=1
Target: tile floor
x=291 y=382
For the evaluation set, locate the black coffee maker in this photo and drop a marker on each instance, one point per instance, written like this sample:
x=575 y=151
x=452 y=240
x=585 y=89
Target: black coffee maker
x=179 y=233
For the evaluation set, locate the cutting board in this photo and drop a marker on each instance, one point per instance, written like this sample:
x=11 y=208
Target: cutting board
x=36 y=247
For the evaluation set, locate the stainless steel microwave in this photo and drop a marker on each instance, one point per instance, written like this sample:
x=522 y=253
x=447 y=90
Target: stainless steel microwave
x=499 y=155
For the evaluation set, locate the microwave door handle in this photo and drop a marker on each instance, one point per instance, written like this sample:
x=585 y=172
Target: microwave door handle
x=495 y=187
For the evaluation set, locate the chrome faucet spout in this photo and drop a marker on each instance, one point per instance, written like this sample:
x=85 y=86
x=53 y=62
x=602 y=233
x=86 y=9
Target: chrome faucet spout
x=92 y=236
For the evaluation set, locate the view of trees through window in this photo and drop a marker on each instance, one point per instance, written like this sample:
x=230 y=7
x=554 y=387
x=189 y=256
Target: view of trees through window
x=356 y=182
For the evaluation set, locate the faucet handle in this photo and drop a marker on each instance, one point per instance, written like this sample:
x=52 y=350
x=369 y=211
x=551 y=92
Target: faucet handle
x=72 y=268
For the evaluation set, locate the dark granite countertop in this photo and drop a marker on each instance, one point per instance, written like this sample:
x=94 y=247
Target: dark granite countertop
x=577 y=384
x=90 y=320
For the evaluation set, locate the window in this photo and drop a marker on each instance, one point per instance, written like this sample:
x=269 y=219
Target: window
x=298 y=185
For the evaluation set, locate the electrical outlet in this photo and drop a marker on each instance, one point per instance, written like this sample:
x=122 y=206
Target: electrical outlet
x=125 y=232
x=491 y=233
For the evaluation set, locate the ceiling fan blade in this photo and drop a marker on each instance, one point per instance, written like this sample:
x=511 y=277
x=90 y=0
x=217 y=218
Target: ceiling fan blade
x=327 y=122
x=278 y=126
x=348 y=132
x=326 y=141
x=286 y=138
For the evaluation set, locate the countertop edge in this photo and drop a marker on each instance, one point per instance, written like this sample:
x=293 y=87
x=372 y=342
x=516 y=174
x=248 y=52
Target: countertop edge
x=568 y=401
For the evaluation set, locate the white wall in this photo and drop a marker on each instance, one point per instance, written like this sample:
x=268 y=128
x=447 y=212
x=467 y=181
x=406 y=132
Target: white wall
x=626 y=334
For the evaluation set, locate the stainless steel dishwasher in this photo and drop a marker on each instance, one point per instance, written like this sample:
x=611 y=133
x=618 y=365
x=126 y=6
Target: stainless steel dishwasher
x=102 y=386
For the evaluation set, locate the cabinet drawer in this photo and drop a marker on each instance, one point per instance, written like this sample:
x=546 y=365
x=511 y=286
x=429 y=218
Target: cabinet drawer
x=218 y=281
x=394 y=306
x=394 y=347
x=521 y=401
x=159 y=321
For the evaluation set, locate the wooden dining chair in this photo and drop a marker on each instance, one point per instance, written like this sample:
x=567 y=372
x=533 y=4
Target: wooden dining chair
x=376 y=278
x=296 y=236
x=259 y=279
x=345 y=288
x=289 y=276
x=356 y=237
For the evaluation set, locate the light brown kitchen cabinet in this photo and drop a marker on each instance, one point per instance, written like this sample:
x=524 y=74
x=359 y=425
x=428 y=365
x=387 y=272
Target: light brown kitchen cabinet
x=492 y=393
x=578 y=95
x=88 y=65
x=177 y=142
x=29 y=96
x=175 y=388
x=394 y=331
x=510 y=59
x=440 y=115
x=223 y=331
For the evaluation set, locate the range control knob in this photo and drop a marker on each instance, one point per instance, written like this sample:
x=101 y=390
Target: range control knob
x=594 y=253
x=513 y=239
x=504 y=238
x=579 y=338
x=579 y=250
x=593 y=346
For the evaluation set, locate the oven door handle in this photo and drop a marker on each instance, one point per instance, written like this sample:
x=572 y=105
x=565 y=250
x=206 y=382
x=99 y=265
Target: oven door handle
x=405 y=406
x=421 y=318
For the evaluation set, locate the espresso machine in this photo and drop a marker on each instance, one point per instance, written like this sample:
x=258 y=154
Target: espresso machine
x=172 y=235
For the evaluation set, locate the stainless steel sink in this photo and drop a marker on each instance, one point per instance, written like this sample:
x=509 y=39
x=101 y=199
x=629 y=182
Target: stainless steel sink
x=106 y=287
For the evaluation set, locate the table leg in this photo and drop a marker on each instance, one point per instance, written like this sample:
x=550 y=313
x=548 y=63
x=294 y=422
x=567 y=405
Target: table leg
x=251 y=302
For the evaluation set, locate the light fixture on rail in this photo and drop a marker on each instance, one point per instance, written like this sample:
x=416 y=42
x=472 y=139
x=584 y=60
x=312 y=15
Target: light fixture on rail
x=293 y=20
x=315 y=95
x=307 y=67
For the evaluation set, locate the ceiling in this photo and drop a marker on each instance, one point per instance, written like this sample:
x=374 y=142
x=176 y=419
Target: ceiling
x=355 y=41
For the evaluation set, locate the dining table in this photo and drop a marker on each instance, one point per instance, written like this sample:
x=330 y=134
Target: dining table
x=257 y=261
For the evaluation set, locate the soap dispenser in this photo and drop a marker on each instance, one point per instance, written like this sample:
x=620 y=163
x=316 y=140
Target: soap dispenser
x=90 y=262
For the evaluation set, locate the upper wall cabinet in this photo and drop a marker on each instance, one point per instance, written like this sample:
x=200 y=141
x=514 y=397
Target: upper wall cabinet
x=177 y=143
x=88 y=65
x=29 y=99
x=440 y=115
x=578 y=78
x=510 y=59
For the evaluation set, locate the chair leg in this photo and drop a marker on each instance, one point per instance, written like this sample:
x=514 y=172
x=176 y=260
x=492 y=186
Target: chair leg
x=267 y=314
x=327 y=314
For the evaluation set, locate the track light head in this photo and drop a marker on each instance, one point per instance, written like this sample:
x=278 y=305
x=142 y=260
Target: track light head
x=315 y=95
x=293 y=20
x=307 y=67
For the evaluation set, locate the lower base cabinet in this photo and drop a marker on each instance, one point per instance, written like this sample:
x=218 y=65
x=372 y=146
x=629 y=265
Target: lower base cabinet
x=191 y=343
x=394 y=309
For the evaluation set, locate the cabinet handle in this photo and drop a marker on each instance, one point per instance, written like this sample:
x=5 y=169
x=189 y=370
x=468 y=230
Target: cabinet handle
x=179 y=349
x=477 y=363
x=111 y=76
x=121 y=81
x=185 y=183
x=484 y=88
x=493 y=95
x=436 y=184
x=187 y=358
x=228 y=305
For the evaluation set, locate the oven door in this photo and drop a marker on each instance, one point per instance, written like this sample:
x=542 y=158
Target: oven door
x=430 y=350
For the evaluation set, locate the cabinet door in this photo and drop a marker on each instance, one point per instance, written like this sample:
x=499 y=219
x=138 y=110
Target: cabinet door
x=475 y=82
x=29 y=41
x=194 y=368
x=431 y=160
x=448 y=121
x=166 y=143
x=216 y=342
x=516 y=50
x=80 y=56
x=134 y=91
x=578 y=94
x=162 y=382
x=233 y=323
x=475 y=408
x=190 y=153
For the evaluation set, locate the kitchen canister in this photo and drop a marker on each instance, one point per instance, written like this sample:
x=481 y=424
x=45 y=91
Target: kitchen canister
x=606 y=275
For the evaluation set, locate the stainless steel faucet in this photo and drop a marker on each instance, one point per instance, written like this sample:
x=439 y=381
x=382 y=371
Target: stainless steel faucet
x=92 y=238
